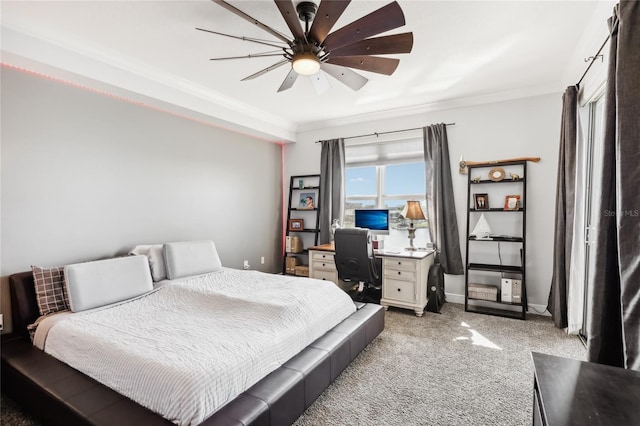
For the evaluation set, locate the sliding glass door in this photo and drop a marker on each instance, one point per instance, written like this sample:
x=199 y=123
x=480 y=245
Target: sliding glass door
x=592 y=119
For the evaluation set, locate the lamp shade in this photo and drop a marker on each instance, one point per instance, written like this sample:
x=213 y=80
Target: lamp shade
x=306 y=64
x=412 y=210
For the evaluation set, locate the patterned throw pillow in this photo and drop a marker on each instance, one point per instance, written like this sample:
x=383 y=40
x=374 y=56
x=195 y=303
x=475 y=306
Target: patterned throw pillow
x=51 y=291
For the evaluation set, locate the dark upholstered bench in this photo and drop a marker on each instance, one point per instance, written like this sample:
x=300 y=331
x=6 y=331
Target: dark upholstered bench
x=57 y=394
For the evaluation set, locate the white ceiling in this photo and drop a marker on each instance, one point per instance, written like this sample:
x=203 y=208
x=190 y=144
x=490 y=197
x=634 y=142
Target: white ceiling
x=462 y=50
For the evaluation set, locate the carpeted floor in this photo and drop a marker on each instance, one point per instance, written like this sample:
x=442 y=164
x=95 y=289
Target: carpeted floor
x=453 y=368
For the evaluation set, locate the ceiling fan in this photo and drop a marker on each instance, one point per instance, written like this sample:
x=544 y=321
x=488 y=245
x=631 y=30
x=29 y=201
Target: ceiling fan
x=313 y=48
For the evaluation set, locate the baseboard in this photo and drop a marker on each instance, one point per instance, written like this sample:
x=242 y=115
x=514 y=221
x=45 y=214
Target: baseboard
x=533 y=309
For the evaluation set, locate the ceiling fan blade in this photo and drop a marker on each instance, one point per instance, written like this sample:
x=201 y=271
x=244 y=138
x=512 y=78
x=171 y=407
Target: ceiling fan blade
x=246 y=17
x=384 y=19
x=266 y=70
x=328 y=13
x=368 y=63
x=320 y=82
x=253 y=40
x=289 y=80
x=256 y=55
x=349 y=78
x=288 y=12
x=397 y=43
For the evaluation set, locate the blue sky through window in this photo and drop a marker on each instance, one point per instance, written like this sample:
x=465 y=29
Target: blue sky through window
x=400 y=179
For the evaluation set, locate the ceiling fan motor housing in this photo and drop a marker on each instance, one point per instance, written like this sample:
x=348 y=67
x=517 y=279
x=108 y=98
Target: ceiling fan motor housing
x=306 y=11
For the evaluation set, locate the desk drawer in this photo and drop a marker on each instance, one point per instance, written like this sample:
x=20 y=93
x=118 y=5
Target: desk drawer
x=327 y=265
x=403 y=291
x=322 y=256
x=400 y=275
x=325 y=275
x=396 y=264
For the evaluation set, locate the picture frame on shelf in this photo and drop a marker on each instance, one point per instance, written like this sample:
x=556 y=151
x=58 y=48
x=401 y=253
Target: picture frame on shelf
x=512 y=202
x=481 y=201
x=307 y=200
x=296 y=224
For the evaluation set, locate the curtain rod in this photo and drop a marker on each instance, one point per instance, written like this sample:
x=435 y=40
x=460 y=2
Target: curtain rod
x=593 y=59
x=386 y=133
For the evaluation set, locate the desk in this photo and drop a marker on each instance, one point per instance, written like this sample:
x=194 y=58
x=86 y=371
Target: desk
x=569 y=392
x=404 y=274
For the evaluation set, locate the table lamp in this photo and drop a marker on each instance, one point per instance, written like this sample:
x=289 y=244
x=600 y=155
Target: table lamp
x=412 y=211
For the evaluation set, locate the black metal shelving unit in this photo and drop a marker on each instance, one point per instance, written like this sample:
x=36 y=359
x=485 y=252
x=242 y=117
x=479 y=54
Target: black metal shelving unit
x=303 y=213
x=498 y=307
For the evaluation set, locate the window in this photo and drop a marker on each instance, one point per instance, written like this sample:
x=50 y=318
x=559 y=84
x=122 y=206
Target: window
x=385 y=171
x=387 y=187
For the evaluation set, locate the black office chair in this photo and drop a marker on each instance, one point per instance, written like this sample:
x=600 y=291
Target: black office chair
x=356 y=264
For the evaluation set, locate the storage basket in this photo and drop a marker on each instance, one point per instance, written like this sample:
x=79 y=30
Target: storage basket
x=483 y=292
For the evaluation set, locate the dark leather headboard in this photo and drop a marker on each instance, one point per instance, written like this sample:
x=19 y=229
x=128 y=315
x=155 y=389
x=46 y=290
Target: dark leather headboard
x=24 y=305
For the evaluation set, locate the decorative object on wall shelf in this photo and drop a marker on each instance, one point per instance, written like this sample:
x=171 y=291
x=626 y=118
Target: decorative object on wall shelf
x=293 y=244
x=476 y=179
x=302 y=270
x=300 y=183
x=291 y=263
x=512 y=202
x=496 y=174
x=306 y=200
x=514 y=176
x=481 y=201
x=463 y=165
x=482 y=229
x=296 y=224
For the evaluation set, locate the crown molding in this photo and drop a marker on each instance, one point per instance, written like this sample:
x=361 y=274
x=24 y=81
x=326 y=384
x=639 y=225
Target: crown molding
x=102 y=70
x=442 y=105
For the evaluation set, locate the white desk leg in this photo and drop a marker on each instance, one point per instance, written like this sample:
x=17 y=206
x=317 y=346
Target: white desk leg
x=419 y=312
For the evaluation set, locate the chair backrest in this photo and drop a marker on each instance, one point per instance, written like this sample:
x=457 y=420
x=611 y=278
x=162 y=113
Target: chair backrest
x=354 y=255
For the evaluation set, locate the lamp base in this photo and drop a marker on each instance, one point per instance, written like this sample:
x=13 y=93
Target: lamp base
x=412 y=235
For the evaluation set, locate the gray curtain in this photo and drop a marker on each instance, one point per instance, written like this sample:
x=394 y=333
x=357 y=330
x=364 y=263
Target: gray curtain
x=614 y=293
x=565 y=211
x=332 y=187
x=441 y=209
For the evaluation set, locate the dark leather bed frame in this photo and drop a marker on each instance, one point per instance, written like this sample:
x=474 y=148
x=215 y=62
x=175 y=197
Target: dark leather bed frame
x=57 y=394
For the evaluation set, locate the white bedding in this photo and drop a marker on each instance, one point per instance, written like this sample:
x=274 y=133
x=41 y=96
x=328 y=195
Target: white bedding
x=194 y=344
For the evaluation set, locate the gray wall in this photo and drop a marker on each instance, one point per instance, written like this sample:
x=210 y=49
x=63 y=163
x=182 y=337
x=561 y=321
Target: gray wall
x=527 y=127
x=86 y=176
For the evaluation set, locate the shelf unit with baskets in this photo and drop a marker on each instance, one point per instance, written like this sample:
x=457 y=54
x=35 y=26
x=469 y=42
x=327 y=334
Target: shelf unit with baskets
x=496 y=287
x=302 y=226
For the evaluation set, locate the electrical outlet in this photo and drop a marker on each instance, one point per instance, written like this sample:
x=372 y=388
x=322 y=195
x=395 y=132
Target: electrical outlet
x=1 y=322
x=246 y=264
x=262 y=260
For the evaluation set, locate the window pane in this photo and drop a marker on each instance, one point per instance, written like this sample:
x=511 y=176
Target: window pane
x=405 y=178
x=361 y=181
x=351 y=205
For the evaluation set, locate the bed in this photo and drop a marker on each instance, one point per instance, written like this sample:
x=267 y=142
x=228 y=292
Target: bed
x=279 y=385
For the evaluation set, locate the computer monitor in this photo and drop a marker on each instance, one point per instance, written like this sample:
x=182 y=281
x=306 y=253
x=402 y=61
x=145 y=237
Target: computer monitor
x=375 y=220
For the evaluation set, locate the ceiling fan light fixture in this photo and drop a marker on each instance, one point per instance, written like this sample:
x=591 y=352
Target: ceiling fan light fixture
x=306 y=63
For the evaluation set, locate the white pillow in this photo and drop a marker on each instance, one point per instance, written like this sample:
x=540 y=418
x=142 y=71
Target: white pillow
x=188 y=258
x=156 y=260
x=94 y=284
